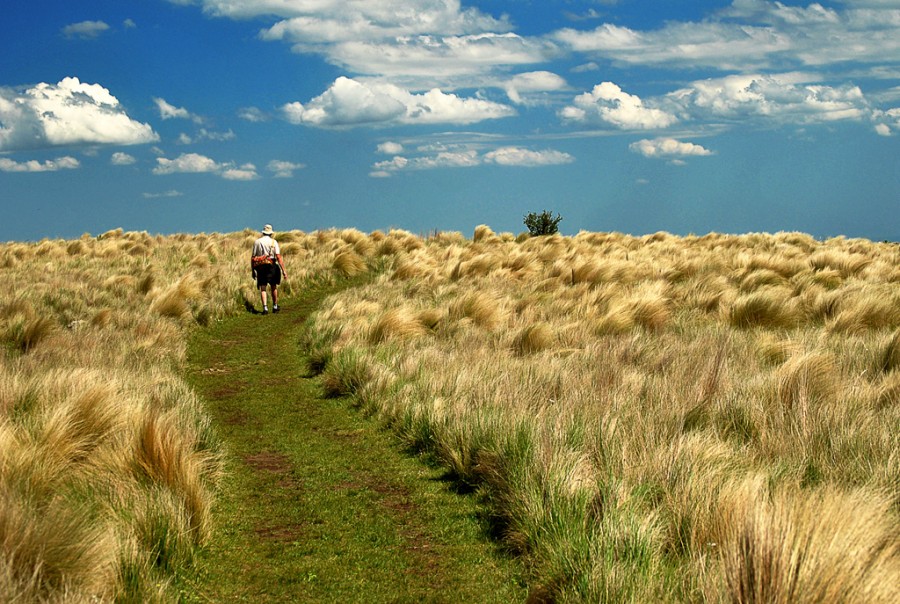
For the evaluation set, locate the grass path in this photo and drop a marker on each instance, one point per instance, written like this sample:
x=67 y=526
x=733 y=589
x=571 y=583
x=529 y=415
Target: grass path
x=319 y=504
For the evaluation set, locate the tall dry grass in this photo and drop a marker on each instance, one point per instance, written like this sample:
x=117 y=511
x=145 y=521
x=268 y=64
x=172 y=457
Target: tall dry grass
x=109 y=465
x=660 y=418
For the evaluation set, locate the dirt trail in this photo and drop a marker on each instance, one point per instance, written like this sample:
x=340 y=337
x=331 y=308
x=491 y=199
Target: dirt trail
x=319 y=504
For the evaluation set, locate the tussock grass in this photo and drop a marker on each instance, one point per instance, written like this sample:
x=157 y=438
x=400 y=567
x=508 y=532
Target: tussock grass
x=889 y=357
x=349 y=263
x=108 y=465
x=534 y=338
x=651 y=419
x=483 y=309
x=766 y=308
x=396 y=323
x=828 y=547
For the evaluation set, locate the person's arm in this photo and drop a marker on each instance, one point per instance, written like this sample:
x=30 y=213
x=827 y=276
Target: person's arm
x=281 y=264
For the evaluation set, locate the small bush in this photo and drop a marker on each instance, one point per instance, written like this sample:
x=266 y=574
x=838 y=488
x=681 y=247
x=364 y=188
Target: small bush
x=542 y=224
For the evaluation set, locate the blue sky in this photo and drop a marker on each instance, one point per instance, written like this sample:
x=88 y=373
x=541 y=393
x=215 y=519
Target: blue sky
x=621 y=115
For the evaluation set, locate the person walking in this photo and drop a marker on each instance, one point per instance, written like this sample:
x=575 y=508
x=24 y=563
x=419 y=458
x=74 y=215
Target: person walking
x=267 y=267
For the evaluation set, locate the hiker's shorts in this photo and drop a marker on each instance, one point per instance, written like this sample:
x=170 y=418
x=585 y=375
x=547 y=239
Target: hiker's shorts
x=268 y=274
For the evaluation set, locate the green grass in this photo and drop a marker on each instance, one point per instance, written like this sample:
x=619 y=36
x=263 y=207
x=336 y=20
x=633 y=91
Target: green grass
x=319 y=504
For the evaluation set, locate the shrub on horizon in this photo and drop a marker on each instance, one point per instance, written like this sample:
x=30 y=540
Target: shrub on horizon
x=542 y=224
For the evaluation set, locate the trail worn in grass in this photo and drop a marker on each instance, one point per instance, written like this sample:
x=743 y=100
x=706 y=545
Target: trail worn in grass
x=319 y=505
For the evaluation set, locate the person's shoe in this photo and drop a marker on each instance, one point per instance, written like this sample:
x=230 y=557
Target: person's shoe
x=275 y=308
x=265 y=310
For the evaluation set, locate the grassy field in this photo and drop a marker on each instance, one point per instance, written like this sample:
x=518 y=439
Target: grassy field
x=650 y=419
x=676 y=419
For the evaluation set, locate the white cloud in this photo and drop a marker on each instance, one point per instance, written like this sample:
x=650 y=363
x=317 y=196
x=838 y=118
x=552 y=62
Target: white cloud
x=85 y=30
x=350 y=103
x=467 y=158
x=887 y=121
x=51 y=165
x=439 y=156
x=432 y=59
x=752 y=35
x=122 y=159
x=428 y=43
x=170 y=193
x=206 y=135
x=67 y=113
x=129 y=24
x=245 y=172
x=533 y=81
x=390 y=148
x=668 y=148
x=782 y=98
x=284 y=169
x=194 y=163
x=368 y=17
x=607 y=103
x=167 y=111
x=517 y=156
x=253 y=114
x=186 y=163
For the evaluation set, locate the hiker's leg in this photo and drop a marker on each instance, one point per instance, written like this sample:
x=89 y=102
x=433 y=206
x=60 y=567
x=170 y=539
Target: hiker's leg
x=274 y=295
x=262 y=295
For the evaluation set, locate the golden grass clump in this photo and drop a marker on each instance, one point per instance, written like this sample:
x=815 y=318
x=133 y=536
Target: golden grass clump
x=769 y=307
x=396 y=323
x=533 y=339
x=889 y=354
x=888 y=393
x=483 y=309
x=349 y=263
x=830 y=546
x=175 y=301
x=806 y=383
x=868 y=310
x=482 y=232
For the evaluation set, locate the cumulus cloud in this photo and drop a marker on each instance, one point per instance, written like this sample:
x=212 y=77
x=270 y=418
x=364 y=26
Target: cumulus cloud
x=167 y=111
x=51 y=165
x=284 y=169
x=350 y=103
x=187 y=162
x=85 y=30
x=607 y=103
x=517 y=156
x=462 y=157
x=244 y=172
x=390 y=148
x=783 y=98
x=888 y=121
x=533 y=81
x=122 y=159
x=67 y=113
x=668 y=148
x=194 y=163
